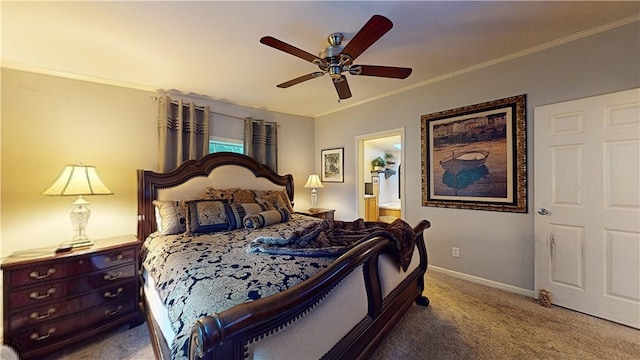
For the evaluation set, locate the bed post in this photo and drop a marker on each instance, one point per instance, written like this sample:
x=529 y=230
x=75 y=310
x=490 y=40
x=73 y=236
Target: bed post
x=419 y=229
x=144 y=199
x=206 y=331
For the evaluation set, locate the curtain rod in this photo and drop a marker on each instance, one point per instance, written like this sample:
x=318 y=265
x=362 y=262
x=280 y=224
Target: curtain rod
x=229 y=116
x=155 y=98
x=221 y=114
x=239 y=118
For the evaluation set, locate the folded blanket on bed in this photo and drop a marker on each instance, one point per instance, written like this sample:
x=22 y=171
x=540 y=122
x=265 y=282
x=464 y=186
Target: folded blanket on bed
x=333 y=238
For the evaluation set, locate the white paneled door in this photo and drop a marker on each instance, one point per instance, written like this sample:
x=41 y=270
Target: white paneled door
x=587 y=203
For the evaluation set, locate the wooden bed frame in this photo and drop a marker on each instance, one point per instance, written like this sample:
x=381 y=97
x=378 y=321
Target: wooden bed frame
x=226 y=335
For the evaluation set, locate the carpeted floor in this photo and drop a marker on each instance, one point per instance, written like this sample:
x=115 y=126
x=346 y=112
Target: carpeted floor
x=464 y=321
x=471 y=321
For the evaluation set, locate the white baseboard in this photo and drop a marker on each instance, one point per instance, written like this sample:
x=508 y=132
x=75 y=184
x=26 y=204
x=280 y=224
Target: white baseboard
x=483 y=281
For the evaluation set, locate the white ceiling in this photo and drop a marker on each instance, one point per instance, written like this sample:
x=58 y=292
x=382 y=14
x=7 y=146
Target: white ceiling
x=386 y=144
x=213 y=49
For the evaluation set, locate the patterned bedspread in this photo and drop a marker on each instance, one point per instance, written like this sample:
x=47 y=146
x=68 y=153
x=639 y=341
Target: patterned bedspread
x=209 y=273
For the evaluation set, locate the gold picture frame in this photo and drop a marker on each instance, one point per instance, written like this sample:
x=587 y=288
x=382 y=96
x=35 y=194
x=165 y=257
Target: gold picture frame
x=475 y=157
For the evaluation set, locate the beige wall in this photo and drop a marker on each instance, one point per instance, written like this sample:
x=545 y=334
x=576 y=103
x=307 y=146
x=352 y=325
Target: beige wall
x=48 y=122
x=494 y=246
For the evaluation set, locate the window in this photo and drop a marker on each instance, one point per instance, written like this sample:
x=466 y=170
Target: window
x=218 y=144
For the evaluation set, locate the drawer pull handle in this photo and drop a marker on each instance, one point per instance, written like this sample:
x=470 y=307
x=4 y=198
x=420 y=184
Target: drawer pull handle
x=114 y=259
x=111 y=277
x=108 y=294
x=38 y=296
x=112 y=312
x=37 y=316
x=37 y=337
x=36 y=275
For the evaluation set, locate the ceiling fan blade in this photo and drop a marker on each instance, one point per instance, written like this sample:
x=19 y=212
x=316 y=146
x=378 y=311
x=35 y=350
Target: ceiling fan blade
x=383 y=71
x=373 y=30
x=289 y=49
x=342 y=87
x=300 y=79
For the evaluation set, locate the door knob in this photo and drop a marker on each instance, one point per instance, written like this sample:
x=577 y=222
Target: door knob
x=543 y=211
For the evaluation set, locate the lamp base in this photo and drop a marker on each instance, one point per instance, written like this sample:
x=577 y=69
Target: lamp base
x=314 y=198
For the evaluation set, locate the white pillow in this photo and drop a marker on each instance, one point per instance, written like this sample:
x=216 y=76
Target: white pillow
x=170 y=217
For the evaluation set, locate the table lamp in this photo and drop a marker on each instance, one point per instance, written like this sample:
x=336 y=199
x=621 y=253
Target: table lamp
x=78 y=180
x=314 y=183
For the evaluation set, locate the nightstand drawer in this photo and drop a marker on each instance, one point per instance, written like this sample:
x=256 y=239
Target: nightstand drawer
x=108 y=259
x=32 y=275
x=53 y=300
x=40 y=294
x=36 y=315
x=51 y=331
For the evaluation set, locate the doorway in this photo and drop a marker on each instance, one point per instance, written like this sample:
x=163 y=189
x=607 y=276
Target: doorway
x=383 y=186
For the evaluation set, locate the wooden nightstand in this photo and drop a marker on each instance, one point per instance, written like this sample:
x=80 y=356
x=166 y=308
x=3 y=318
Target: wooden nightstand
x=326 y=214
x=54 y=300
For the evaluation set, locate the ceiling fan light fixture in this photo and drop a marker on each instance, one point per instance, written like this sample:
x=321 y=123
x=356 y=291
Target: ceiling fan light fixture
x=335 y=71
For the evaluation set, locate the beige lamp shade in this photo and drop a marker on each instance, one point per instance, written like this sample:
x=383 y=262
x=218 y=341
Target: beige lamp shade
x=313 y=182
x=78 y=180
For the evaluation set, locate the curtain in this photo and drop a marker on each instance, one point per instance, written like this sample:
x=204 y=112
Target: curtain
x=261 y=141
x=183 y=132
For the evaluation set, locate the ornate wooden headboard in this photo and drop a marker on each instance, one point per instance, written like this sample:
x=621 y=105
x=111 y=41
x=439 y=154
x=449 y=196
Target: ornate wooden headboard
x=190 y=179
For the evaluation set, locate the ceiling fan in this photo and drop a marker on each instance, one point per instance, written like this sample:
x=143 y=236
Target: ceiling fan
x=336 y=60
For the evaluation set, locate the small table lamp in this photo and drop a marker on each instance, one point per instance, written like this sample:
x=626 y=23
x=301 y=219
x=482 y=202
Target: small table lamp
x=78 y=180
x=314 y=183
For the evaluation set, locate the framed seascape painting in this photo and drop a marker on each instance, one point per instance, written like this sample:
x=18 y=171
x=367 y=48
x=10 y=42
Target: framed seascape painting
x=332 y=162
x=474 y=157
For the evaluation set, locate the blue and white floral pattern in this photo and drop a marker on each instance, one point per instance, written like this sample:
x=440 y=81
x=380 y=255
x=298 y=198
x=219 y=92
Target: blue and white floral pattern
x=197 y=275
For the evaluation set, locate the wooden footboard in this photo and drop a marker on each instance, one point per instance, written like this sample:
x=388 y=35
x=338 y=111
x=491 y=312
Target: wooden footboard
x=226 y=335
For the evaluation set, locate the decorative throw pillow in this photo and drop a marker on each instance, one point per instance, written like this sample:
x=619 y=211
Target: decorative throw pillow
x=285 y=198
x=237 y=212
x=170 y=217
x=272 y=200
x=266 y=218
x=205 y=216
x=281 y=193
x=231 y=196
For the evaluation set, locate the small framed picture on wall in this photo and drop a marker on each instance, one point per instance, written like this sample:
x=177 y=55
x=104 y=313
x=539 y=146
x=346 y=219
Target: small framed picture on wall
x=332 y=161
